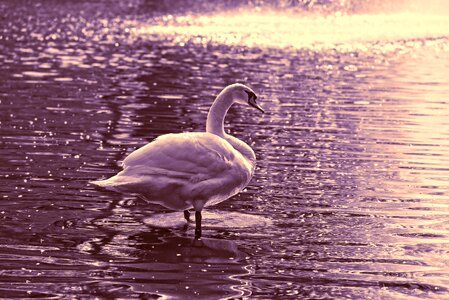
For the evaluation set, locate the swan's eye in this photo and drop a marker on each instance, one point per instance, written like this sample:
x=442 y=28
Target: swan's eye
x=252 y=100
x=251 y=95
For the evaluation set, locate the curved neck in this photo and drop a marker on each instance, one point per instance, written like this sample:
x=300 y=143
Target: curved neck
x=217 y=113
x=215 y=125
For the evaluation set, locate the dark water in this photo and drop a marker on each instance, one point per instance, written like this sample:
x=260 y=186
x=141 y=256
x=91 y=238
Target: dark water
x=351 y=194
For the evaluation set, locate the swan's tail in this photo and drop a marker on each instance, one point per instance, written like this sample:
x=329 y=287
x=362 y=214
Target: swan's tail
x=124 y=183
x=144 y=180
x=114 y=183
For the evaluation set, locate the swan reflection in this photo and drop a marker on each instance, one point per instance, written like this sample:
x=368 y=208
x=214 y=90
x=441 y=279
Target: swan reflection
x=167 y=261
x=177 y=249
x=171 y=265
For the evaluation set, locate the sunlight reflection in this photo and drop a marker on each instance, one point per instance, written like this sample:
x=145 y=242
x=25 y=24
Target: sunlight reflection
x=413 y=153
x=274 y=30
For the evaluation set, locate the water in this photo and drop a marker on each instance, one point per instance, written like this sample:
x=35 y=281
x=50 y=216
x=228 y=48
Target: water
x=351 y=194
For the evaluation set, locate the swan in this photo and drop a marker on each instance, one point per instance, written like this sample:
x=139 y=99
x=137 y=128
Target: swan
x=188 y=170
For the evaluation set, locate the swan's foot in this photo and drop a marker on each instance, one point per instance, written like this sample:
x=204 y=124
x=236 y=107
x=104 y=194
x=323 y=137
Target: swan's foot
x=197 y=225
x=187 y=215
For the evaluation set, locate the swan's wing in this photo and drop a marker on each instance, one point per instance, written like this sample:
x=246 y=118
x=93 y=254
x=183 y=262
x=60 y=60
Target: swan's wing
x=195 y=154
x=176 y=169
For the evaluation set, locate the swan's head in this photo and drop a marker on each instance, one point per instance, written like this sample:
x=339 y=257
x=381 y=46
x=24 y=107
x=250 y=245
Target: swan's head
x=242 y=94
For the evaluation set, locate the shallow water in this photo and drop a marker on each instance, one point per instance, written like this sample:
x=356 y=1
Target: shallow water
x=351 y=194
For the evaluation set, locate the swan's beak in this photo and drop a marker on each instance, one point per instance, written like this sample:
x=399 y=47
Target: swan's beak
x=253 y=103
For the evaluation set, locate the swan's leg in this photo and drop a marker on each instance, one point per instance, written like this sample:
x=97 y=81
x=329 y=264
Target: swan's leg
x=197 y=225
x=187 y=215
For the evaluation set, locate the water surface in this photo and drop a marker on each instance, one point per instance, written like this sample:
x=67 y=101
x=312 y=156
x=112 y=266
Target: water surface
x=351 y=194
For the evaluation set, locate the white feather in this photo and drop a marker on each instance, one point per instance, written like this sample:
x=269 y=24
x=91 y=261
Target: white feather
x=194 y=169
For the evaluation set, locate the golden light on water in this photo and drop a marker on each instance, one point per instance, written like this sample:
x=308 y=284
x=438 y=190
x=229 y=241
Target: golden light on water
x=275 y=30
x=410 y=140
x=350 y=196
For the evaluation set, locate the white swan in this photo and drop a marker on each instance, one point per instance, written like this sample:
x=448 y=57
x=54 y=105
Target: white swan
x=192 y=169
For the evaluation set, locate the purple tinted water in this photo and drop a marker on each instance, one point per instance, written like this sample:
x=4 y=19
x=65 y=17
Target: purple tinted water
x=351 y=194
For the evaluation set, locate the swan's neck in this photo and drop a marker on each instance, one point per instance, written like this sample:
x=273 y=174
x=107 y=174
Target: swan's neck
x=217 y=113
x=215 y=125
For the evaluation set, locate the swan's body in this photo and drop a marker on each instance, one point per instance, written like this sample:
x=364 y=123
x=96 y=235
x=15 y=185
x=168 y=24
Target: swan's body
x=184 y=170
x=192 y=169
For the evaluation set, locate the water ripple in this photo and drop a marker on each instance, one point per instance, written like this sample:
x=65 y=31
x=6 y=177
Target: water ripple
x=350 y=194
